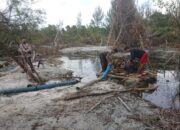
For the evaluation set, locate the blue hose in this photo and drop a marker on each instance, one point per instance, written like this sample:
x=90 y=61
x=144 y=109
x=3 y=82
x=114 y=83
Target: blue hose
x=39 y=87
x=105 y=73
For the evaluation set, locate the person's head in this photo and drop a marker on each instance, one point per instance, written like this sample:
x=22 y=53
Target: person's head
x=114 y=49
x=126 y=49
x=24 y=41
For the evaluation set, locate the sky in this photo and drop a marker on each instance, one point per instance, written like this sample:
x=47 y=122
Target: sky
x=66 y=11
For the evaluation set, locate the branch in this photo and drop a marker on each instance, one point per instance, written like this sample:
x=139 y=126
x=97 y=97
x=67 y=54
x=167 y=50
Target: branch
x=78 y=95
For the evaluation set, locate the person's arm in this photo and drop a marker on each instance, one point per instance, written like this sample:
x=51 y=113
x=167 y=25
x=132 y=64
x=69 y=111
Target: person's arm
x=105 y=73
x=132 y=54
x=29 y=48
x=21 y=48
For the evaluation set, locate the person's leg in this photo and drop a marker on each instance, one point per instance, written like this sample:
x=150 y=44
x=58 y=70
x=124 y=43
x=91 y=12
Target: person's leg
x=30 y=64
x=141 y=68
x=143 y=62
x=103 y=61
x=39 y=62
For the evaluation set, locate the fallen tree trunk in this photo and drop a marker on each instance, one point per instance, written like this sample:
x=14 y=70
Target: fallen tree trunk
x=84 y=94
x=37 y=78
x=24 y=66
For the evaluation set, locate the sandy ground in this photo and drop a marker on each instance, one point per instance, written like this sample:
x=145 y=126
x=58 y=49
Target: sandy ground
x=46 y=110
x=15 y=78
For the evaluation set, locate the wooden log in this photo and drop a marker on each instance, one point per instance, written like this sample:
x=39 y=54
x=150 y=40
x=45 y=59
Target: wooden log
x=117 y=76
x=89 y=84
x=136 y=77
x=78 y=95
x=34 y=77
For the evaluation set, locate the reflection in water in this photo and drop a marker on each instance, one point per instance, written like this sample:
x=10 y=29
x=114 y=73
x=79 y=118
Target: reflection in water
x=168 y=88
x=86 y=68
x=167 y=81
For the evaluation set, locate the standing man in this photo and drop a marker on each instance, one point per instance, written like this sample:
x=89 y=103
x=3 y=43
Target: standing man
x=140 y=54
x=26 y=51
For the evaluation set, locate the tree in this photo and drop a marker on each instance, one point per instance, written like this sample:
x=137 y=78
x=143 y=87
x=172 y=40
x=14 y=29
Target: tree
x=79 y=21
x=126 y=26
x=17 y=18
x=108 y=20
x=48 y=33
x=98 y=16
x=172 y=7
x=145 y=9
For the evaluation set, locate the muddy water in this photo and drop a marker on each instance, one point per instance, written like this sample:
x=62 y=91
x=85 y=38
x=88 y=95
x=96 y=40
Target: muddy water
x=167 y=81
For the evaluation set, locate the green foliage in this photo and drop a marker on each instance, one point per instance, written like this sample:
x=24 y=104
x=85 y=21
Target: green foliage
x=89 y=34
x=17 y=19
x=162 y=26
x=160 y=20
x=48 y=33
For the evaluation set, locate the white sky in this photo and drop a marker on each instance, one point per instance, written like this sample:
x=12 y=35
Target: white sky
x=67 y=10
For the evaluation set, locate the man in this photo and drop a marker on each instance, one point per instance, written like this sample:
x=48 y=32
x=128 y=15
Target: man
x=140 y=54
x=26 y=52
x=106 y=62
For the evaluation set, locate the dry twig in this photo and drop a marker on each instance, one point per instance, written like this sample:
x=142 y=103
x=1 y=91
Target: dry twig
x=126 y=106
x=97 y=104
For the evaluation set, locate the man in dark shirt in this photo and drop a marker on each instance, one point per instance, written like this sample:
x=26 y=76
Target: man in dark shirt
x=140 y=54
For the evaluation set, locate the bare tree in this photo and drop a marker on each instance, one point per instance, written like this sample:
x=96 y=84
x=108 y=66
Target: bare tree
x=145 y=9
x=58 y=38
x=126 y=26
x=98 y=16
x=79 y=21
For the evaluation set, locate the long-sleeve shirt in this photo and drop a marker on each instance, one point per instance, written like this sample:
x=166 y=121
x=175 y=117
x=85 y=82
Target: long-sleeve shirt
x=136 y=53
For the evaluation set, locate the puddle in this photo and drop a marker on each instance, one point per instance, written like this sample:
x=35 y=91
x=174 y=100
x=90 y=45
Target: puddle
x=168 y=81
x=168 y=87
x=83 y=67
